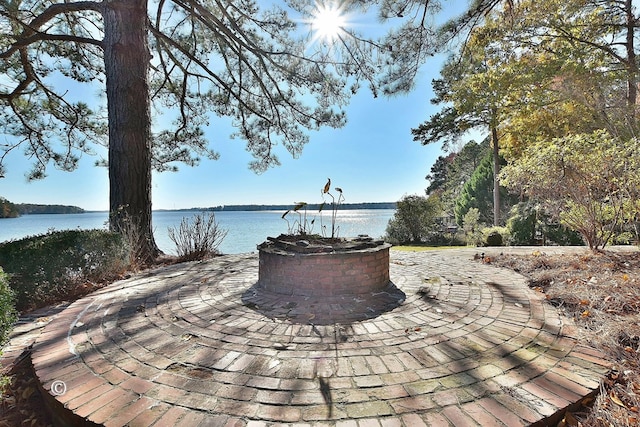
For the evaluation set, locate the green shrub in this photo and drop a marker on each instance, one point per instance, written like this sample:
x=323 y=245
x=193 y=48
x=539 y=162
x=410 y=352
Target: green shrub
x=62 y=264
x=472 y=226
x=557 y=234
x=624 y=238
x=397 y=232
x=523 y=225
x=526 y=226
x=7 y=318
x=495 y=236
x=7 y=309
x=438 y=238
x=415 y=217
x=494 y=239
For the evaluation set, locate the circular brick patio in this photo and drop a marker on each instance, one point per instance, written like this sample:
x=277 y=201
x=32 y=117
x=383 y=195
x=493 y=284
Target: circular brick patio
x=455 y=342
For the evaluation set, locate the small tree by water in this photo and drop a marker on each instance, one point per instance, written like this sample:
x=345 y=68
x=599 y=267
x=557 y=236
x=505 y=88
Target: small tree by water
x=414 y=218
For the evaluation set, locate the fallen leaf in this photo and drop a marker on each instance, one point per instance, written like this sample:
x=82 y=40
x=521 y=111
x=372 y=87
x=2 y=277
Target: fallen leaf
x=584 y=302
x=615 y=399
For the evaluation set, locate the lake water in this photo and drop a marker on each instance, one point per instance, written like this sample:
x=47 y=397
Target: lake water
x=245 y=229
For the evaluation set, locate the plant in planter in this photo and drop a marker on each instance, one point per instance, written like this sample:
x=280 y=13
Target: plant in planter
x=334 y=206
x=300 y=236
x=302 y=225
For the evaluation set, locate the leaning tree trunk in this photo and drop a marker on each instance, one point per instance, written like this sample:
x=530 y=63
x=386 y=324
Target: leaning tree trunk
x=127 y=59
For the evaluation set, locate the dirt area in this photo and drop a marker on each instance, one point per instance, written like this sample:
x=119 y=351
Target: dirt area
x=21 y=403
x=599 y=291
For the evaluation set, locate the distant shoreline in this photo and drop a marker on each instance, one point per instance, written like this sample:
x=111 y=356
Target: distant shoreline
x=229 y=208
x=15 y=210
x=311 y=206
x=254 y=208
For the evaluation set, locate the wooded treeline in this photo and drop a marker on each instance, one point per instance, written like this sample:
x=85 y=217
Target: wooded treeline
x=310 y=206
x=553 y=84
x=13 y=210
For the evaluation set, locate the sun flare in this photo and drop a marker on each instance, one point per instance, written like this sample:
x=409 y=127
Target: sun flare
x=328 y=21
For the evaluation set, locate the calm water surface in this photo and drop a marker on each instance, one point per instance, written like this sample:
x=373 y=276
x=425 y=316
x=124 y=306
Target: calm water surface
x=245 y=229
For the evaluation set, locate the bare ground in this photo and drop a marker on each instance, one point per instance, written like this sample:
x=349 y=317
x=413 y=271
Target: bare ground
x=600 y=291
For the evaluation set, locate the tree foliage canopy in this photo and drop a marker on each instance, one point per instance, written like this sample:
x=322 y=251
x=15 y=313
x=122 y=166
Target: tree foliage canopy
x=414 y=218
x=8 y=209
x=240 y=59
x=450 y=173
x=477 y=192
x=590 y=182
x=576 y=69
x=557 y=73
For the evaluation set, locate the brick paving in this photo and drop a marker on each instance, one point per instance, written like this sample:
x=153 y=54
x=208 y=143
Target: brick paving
x=451 y=342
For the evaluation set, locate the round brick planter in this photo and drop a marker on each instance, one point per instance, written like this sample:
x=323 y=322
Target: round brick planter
x=345 y=267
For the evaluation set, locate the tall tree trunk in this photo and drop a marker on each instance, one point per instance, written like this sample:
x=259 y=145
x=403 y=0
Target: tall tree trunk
x=127 y=59
x=496 y=172
x=632 y=66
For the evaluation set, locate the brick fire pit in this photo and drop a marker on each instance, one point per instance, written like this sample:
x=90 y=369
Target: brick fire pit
x=323 y=269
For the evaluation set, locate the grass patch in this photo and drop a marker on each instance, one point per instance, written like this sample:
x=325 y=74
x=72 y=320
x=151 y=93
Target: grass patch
x=421 y=248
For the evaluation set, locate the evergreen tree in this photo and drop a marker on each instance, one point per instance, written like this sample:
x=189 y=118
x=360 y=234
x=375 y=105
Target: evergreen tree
x=414 y=218
x=477 y=193
x=8 y=209
x=450 y=173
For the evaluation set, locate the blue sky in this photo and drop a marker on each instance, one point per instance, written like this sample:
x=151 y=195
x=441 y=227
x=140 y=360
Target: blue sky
x=373 y=159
